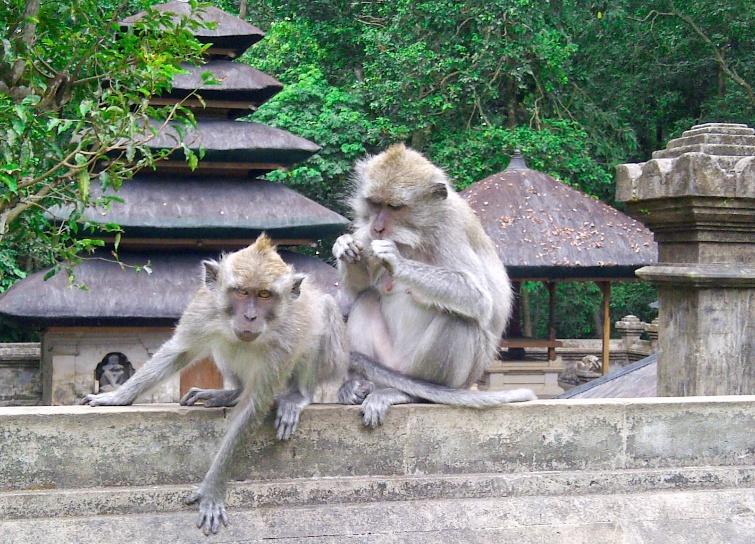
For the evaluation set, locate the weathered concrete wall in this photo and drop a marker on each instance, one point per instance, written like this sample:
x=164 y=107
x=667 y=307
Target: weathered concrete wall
x=69 y=357
x=79 y=446
x=20 y=376
x=656 y=470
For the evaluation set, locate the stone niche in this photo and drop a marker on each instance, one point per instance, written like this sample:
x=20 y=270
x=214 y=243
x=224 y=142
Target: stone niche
x=70 y=357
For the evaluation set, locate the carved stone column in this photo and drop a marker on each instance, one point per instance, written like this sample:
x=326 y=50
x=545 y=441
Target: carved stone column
x=630 y=328
x=698 y=197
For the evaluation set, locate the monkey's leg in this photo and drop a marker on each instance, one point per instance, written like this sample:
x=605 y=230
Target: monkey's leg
x=289 y=410
x=377 y=403
x=211 y=492
x=211 y=398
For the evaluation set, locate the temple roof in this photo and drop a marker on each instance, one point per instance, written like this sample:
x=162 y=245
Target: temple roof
x=235 y=81
x=543 y=228
x=214 y=208
x=237 y=142
x=638 y=379
x=228 y=32
x=121 y=296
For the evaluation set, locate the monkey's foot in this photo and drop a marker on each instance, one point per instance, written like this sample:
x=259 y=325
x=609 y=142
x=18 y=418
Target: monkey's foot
x=374 y=409
x=110 y=398
x=287 y=417
x=354 y=391
x=211 y=511
x=211 y=398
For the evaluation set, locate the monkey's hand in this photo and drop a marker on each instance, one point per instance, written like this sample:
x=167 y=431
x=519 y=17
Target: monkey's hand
x=388 y=253
x=347 y=249
x=211 y=508
x=111 y=398
x=211 y=398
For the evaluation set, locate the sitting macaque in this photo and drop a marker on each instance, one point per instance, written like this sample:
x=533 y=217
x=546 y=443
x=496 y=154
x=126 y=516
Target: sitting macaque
x=275 y=331
x=429 y=298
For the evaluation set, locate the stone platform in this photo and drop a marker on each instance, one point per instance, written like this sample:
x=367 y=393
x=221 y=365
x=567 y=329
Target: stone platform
x=651 y=470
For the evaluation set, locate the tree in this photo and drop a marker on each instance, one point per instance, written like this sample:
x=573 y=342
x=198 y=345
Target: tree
x=74 y=104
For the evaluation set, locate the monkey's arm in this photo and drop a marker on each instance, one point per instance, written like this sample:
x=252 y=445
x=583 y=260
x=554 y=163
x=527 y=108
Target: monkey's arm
x=171 y=357
x=451 y=290
x=211 y=492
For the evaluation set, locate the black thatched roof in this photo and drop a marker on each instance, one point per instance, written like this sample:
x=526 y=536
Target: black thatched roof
x=214 y=208
x=229 y=31
x=545 y=229
x=235 y=82
x=237 y=142
x=116 y=296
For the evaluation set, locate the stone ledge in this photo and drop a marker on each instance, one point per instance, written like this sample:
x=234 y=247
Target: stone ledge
x=71 y=447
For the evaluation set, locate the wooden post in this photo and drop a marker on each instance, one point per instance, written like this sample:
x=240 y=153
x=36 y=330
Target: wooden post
x=551 y=318
x=605 y=288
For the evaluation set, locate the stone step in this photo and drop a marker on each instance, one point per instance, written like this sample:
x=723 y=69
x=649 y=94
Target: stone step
x=724 y=516
x=313 y=491
x=71 y=447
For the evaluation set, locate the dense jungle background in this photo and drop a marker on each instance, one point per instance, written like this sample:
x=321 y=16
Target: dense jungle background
x=579 y=86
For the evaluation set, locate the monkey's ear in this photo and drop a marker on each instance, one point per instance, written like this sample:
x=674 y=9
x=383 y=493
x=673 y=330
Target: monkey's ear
x=210 y=273
x=439 y=191
x=296 y=286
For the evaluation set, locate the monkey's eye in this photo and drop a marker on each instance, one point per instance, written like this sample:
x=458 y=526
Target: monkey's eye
x=264 y=294
x=241 y=292
x=396 y=207
x=372 y=203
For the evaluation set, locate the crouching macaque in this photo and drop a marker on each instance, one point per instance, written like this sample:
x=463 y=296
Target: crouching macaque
x=276 y=332
x=429 y=298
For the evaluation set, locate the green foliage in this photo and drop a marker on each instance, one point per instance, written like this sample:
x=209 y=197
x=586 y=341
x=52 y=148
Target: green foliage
x=74 y=92
x=579 y=307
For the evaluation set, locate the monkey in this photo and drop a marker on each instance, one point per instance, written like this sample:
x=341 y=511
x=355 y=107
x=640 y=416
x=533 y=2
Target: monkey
x=279 y=335
x=427 y=294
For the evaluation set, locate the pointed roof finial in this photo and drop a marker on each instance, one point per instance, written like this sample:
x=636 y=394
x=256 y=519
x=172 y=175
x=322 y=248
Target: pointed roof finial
x=517 y=161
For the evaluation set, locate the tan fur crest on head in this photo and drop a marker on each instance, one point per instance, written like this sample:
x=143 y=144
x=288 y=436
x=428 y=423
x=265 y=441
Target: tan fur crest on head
x=263 y=243
x=391 y=175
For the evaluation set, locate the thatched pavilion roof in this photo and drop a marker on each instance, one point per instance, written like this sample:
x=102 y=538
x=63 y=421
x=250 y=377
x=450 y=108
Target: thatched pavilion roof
x=215 y=208
x=236 y=142
x=235 y=82
x=544 y=229
x=122 y=296
x=228 y=32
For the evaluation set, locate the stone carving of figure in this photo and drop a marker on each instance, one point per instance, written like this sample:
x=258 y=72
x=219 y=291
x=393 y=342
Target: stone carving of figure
x=113 y=371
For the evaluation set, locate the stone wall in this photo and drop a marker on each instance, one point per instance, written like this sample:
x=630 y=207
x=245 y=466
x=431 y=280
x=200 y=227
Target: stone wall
x=20 y=376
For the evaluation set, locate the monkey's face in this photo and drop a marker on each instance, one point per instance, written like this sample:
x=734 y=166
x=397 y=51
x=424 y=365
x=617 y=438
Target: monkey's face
x=253 y=288
x=399 y=196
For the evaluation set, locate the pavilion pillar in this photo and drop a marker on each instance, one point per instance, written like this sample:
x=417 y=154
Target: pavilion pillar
x=605 y=289
x=698 y=197
x=551 y=318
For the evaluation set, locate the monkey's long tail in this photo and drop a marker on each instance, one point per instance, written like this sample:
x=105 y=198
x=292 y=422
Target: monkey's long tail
x=439 y=394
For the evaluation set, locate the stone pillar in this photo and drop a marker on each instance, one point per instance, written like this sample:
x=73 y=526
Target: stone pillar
x=698 y=197
x=630 y=328
x=651 y=329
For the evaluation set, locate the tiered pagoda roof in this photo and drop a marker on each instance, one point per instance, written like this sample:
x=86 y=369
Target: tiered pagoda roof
x=544 y=229
x=173 y=218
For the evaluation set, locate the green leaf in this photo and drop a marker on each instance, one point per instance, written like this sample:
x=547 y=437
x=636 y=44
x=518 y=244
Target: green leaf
x=83 y=178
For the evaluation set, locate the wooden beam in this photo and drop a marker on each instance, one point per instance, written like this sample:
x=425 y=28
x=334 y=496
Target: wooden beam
x=605 y=289
x=551 y=318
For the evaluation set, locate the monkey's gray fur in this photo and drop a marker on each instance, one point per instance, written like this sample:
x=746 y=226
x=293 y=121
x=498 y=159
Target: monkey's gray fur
x=277 y=333
x=427 y=293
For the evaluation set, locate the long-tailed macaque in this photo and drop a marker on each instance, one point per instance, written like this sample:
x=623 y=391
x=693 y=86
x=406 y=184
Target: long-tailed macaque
x=429 y=298
x=276 y=332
